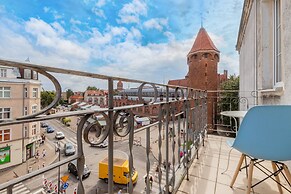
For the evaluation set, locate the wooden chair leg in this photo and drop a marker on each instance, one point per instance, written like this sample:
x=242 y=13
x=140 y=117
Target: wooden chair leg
x=237 y=169
x=250 y=177
x=277 y=177
x=287 y=172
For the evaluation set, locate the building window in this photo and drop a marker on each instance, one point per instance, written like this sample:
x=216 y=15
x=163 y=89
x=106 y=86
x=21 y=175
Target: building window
x=5 y=113
x=5 y=135
x=27 y=73
x=25 y=93
x=33 y=129
x=34 y=75
x=4 y=92
x=25 y=131
x=25 y=110
x=277 y=42
x=3 y=72
x=34 y=92
x=34 y=109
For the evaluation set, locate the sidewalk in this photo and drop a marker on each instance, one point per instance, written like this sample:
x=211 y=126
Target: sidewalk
x=22 y=169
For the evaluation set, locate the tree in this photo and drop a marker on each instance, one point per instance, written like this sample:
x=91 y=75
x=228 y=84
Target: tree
x=229 y=99
x=92 y=88
x=46 y=98
x=69 y=93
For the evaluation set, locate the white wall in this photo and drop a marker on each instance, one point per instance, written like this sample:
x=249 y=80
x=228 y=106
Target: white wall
x=247 y=62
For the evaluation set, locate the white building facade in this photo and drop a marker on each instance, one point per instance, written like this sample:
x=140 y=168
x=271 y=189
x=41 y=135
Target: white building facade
x=264 y=45
x=19 y=96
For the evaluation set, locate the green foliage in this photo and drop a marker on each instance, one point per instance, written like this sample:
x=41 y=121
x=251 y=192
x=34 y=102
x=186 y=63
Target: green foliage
x=92 y=88
x=229 y=98
x=69 y=93
x=46 y=98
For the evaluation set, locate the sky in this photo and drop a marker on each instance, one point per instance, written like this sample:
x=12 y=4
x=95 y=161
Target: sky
x=140 y=39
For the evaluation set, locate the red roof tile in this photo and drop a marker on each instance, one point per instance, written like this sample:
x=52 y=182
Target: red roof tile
x=76 y=97
x=94 y=92
x=203 y=42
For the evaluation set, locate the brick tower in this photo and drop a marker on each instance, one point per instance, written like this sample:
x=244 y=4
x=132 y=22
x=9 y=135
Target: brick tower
x=202 y=61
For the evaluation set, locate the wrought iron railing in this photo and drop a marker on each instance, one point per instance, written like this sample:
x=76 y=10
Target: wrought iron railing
x=228 y=100
x=180 y=122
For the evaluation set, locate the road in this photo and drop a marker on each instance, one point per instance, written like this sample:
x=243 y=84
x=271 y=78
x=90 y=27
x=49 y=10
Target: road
x=92 y=156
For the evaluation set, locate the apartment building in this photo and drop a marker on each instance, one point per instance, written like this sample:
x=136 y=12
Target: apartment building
x=19 y=96
x=264 y=45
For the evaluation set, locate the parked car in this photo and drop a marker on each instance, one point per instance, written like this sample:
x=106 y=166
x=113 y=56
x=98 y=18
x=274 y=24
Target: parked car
x=104 y=144
x=72 y=168
x=60 y=135
x=43 y=124
x=50 y=129
x=69 y=149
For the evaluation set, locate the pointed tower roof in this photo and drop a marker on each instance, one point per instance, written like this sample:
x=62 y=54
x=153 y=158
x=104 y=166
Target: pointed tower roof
x=203 y=42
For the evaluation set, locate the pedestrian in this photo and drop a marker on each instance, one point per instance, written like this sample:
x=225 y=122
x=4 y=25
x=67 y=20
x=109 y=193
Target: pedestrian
x=36 y=156
x=119 y=192
x=151 y=181
x=164 y=164
x=43 y=164
x=157 y=171
x=43 y=153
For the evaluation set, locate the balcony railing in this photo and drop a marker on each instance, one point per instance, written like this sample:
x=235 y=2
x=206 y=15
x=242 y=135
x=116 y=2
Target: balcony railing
x=227 y=100
x=179 y=125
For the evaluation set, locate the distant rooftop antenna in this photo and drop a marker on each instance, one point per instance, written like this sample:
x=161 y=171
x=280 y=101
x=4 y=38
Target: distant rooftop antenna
x=27 y=59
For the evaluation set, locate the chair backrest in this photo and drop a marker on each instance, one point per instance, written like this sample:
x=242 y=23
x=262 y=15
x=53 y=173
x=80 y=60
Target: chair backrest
x=265 y=133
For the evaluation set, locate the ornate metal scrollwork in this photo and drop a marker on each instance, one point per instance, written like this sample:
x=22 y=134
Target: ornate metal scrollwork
x=123 y=122
x=54 y=102
x=241 y=100
x=140 y=92
x=95 y=133
x=190 y=93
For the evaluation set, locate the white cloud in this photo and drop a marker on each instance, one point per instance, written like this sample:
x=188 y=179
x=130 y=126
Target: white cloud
x=130 y=12
x=218 y=40
x=50 y=38
x=53 y=12
x=156 y=23
x=100 y=3
x=58 y=28
x=98 y=39
x=98 y=12
x=75 y=22
x=230 y=63
x=46 y=9
x=134 y=35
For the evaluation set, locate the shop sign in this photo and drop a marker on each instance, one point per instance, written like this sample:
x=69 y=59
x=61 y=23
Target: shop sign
x=4 y=155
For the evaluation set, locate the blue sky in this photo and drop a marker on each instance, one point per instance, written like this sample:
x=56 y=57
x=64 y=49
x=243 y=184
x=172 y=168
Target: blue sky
x=140 y=39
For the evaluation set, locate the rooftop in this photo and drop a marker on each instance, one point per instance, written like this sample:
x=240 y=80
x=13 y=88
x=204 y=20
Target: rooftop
x=203 y=42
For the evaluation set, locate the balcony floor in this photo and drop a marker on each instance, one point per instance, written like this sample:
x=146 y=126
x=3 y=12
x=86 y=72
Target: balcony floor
x=205 y=174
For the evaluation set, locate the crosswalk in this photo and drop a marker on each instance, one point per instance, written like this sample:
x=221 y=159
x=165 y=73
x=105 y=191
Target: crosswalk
x=18 y=188
x=155 y=186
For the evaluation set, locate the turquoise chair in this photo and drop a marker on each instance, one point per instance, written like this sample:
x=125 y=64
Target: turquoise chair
x=265 y=134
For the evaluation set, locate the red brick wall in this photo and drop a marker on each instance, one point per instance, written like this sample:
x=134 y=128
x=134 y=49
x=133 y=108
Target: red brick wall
x=203 y=75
